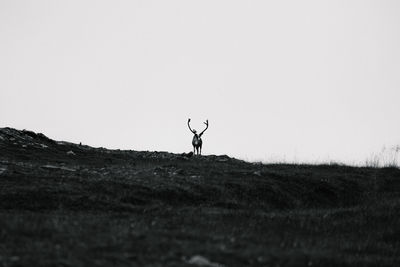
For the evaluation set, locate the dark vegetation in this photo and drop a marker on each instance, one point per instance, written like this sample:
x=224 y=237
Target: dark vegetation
x=62 y=204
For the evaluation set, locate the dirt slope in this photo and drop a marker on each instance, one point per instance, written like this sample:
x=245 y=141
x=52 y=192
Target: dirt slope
x=74 y=205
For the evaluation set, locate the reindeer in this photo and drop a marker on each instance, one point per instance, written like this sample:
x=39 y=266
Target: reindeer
x=197 y=142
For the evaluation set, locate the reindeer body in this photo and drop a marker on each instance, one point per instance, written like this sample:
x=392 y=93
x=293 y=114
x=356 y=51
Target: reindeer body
x=197 y=142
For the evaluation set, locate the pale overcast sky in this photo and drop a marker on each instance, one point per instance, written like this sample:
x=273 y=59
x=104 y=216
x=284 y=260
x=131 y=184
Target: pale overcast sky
x=306 y=80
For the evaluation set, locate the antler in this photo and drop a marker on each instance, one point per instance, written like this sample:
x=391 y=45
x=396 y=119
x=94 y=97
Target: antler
x=206 y=123
x=189 y=126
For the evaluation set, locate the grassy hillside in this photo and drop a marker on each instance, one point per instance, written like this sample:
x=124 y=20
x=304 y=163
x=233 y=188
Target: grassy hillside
x=63 y=204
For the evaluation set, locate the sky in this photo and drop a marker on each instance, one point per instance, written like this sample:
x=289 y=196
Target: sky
x=286 y=80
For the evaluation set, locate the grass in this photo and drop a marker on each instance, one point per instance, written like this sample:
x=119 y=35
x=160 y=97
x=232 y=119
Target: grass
x=387 y=157
x=168 y=236
x=103 y=207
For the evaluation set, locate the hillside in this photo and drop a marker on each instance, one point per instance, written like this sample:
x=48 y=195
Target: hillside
x=65 y=204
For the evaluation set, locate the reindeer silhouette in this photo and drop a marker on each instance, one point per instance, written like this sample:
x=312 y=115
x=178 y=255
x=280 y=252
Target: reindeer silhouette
x=197 y=142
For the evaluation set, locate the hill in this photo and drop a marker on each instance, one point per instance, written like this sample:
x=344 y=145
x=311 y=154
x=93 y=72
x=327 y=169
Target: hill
x=64 y=204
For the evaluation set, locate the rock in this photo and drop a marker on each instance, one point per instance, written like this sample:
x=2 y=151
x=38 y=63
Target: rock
x=185 y=156
x=223 y=158
x=258 y=173
x=202 y=261
x=72 y=153
x=52 y=167
x=14 y=258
